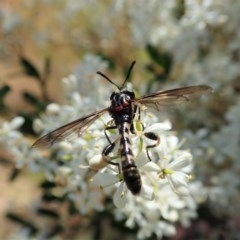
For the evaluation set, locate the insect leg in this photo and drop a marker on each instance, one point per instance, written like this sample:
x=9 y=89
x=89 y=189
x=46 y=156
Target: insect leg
x=105 y=132
x=154 y=137
x=109 y=148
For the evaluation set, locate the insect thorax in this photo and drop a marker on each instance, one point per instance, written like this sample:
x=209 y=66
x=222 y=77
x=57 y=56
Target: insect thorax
x=121 y=107
x=121 y=98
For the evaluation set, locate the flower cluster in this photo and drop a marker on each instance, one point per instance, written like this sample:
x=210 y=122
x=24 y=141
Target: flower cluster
x=87 y=179
x=202 y=38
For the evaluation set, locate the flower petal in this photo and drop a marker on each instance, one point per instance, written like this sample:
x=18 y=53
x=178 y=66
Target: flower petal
x=97 y=162
x=178 y=182
x=105 y=179
x=17 y=122
x=183 y=162
x=119 y=198
x=159 y=127
x=147 y=192
x=151 y=167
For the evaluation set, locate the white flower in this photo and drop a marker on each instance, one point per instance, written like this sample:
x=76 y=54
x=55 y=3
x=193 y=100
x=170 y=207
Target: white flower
x=97 y=162
x=112 y=178
x=53 y=109
x=175 y=170
x=14 y=124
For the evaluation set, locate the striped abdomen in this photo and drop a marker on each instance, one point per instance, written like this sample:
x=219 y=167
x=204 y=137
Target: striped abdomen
x=130 y=172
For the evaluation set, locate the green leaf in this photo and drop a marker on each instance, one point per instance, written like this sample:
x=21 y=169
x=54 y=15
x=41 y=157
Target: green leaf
x=47 y=67
x=110 y=60
x=72 y=208
x=160 y=66
x=34 y=101
x=29 y=68
x=164 y=59
x=30 y=98
x=49 y=197
x=48 y=213
x=48 y=185
x=138 y=126
x=179 y=10
x=20 y=220
x=15 y=173
x=140 y=144
x=27 y=126
x=54 y=231
x=4 y=90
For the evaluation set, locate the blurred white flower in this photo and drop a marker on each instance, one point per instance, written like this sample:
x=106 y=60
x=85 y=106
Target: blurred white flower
x=204 y=43
x=88 y=180
x=9 y=20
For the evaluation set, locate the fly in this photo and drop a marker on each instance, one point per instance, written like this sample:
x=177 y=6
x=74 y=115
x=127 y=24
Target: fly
x=123 y=109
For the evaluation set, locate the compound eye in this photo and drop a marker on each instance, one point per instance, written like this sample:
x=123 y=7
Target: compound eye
x=127 y=98
x=130 y=94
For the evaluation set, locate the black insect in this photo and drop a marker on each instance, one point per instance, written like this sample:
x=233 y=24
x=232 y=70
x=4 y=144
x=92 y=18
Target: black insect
x=123 y=109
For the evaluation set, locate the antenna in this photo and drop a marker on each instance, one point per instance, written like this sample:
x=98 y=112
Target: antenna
x=109 y=80
x=128 y=74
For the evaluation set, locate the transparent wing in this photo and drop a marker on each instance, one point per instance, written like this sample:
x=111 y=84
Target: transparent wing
x=173 y=96
x=76 y=127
